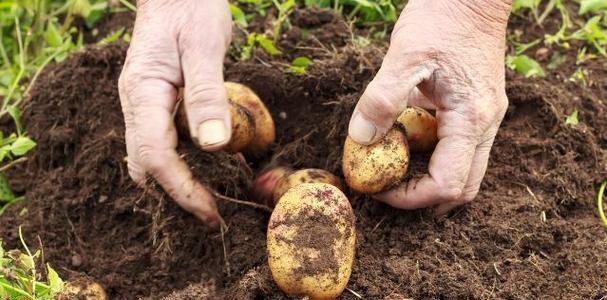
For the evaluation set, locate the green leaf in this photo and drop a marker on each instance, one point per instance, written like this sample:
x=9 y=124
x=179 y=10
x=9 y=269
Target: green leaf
x=55 y=282
x=319 y=3
x=517 y=5
x=15 y=113
x=81 y=8
x=238 y=16
x=27 y=262
x=572 y=119
x=525 y=65
x=22 y=145
x=591 y=6
x=301 y=62
x=52 y=35
x=97 y=11
x=267 y=45
x=299 y=65
x=286 y=6
x=112 y=37
x=6 y=194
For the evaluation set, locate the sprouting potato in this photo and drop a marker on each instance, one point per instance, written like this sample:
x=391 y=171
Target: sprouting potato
x=303 y=176
x=253 y=128
x=371 y=169
x=311 y=241
x=83 y=288
x=265 y=132
x=420 y=127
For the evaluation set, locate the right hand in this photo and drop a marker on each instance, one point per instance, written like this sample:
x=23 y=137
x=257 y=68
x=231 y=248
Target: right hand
x=176 y=44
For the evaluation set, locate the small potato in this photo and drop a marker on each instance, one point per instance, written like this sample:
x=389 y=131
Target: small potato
x=311 y=241
x=370 y=169
x=265 y=132
x=420 y=127
x=83 y=288
x=303 y=176
x=264 y=184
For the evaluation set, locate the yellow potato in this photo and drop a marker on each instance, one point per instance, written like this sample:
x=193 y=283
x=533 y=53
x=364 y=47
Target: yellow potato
x=83 y=288
x=264 y=185
x=420 y=127
x=370 y=169
x=311 y=241
x=265 y=132
x=243 y=128
x=303 y=176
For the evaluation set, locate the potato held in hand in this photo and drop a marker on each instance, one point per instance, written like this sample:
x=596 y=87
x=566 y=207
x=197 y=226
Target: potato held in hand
x=253 y=128
x=420 y=127
x=311 y=241
x=370 y=169
x=265 y=132
x=83 y=288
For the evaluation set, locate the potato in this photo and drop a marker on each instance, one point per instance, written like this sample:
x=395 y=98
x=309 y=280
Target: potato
x=264 y=185
x=253 y=129
x=420 y=127
x=265 y=132
x=243 y=128
x=311 y=241
x=83 y=288
x=371 y=169
x=303 y=176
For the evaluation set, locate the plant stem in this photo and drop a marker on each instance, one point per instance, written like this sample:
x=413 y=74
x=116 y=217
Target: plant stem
x=12 y=163
x=128 y=5
x=29 y=253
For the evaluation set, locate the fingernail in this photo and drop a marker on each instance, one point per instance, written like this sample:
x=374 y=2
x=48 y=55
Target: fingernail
x=212 y=132
x=361 y=130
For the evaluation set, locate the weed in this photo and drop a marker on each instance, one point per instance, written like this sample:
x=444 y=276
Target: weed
x=19 y=279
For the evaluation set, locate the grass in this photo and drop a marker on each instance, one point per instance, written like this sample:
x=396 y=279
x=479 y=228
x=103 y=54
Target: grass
x=19 y=279
x=587 y=25
x=35 y=33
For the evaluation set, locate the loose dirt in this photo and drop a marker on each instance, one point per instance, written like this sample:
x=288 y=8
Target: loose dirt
x=533 y=231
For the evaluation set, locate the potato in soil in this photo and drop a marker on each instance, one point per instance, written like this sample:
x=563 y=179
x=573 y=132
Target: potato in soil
x=265 y=132
x=370 y=169
x=303 y=176
x=311 y=241
x=420 y=128
x=82 y=288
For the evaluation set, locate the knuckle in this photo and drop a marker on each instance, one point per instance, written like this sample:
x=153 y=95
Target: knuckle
x=377 y=103
x=450 y=192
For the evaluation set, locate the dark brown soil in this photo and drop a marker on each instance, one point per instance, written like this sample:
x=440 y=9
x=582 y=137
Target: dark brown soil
x=533 y=231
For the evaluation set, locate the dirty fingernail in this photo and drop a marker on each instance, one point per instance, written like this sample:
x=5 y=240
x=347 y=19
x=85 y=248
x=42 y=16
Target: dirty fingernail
x=361 y=130
x=212 y=132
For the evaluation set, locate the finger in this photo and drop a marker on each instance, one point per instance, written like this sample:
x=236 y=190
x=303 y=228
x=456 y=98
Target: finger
x=477 y=172
x=386 y=96
x=201 y=55
x=156 y=139
x=135 y=168
x=448 y=170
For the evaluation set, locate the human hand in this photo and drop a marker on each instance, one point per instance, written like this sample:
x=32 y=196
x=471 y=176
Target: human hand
x=447 y=56
x=175 y=44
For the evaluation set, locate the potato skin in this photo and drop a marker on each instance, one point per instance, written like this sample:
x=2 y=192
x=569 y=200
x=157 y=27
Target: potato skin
x=370 y=169
x=83 y=288
x=421 y=129
x=264 y=185
x=311 y=241
x=243 y=128
x=303 y=176
x=265 y=132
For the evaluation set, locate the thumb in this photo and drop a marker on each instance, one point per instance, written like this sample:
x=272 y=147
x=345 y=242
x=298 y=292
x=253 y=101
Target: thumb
x=386 y=96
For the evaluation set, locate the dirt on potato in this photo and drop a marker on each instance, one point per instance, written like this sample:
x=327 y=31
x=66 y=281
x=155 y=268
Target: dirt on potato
x=532 y=232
